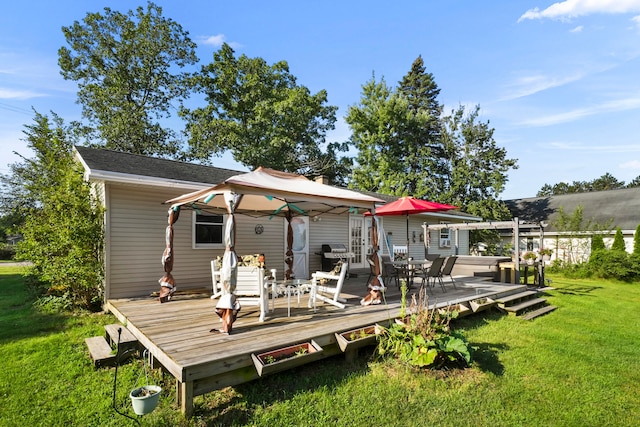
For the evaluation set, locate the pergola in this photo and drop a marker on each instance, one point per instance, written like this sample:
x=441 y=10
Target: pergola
x=515 y=225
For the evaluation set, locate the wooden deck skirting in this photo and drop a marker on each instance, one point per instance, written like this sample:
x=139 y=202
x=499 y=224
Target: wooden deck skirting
x=177 y=334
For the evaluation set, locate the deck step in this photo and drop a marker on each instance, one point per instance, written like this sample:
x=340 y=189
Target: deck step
x=515 y=297
x=100 y=352
x=539 y=312
x=127 y=340
x=514 y=309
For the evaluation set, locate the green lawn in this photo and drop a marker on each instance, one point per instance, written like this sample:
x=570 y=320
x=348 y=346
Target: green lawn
x=578 y=366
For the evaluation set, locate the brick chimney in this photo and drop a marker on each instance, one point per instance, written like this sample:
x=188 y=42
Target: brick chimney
x=322 y=179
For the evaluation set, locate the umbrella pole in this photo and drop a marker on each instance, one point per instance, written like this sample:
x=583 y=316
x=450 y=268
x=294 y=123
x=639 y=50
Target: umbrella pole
x=407 y=235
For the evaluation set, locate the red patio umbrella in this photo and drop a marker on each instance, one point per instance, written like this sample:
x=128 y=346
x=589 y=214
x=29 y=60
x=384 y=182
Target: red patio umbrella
x=409 y=205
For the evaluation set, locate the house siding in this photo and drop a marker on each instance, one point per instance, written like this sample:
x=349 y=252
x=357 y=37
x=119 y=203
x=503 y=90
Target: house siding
x=136 y=223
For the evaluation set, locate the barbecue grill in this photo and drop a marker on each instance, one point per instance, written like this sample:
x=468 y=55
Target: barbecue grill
x=332 y=253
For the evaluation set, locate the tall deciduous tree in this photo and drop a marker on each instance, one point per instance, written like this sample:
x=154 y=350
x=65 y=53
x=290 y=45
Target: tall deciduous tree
x=477 y=166
x=605 y=182
x=259 y=113
x=406 y=147
x=62 y=230
x=125 y=66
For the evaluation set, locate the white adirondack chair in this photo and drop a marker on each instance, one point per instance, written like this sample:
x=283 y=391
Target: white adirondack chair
x=332 y=290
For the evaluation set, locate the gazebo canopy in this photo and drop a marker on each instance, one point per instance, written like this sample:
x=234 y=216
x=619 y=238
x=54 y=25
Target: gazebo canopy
x=270 y=192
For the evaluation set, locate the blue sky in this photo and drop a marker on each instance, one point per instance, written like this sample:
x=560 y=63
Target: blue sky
x=559 y=82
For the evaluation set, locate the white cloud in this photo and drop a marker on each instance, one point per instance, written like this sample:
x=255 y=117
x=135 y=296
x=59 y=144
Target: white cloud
x=624 y=104
x=572 y=8
x=529 y=85
x=218 y=40
x=577 y=29
x=600 y=148
x=7 y=93
x=636 y=21
x=631 y=164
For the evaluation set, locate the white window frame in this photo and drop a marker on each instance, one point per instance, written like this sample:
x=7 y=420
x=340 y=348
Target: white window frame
x=445 y=237
x=194 y=243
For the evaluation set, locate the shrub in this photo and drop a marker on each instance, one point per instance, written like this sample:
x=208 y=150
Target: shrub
x=597 y=243
x=612 y=264
x=7 y=252
x=425 y=339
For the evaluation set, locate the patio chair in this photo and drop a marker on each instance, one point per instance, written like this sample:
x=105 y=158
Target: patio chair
x=332 y=290
x=433 y=273
x=215 y=279
x=389 y=271
x=251 y=288
x=448 y=268
x=400 y=252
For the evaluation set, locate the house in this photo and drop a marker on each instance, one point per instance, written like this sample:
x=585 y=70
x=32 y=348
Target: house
x=616 y=208
x=133 y=190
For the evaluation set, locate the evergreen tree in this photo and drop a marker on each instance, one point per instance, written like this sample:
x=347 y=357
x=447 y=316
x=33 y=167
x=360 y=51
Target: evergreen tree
x=636 y=241
x=618 y=241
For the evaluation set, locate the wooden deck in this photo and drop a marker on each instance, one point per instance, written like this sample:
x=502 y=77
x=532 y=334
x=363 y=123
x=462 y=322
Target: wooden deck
x=178 y=335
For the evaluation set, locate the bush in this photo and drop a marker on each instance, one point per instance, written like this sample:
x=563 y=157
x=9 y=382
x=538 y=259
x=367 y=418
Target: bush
x=7 y=252
x=612 y=264
x=425 y=339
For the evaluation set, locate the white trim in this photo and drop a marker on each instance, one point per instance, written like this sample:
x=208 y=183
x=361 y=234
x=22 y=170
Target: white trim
x=125 y=178
x=195 y=245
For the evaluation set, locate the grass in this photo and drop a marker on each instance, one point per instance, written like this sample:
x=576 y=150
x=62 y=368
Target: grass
x=577 y=366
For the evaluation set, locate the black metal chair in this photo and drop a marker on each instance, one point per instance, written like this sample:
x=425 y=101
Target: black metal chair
x=434 y=273
x=448 y=268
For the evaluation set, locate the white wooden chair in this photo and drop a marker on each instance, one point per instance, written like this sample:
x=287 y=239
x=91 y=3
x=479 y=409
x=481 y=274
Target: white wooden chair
x=251 y=288
x=215 y=279
x=333 y=290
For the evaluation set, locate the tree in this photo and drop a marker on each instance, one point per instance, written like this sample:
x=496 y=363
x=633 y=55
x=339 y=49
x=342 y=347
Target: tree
x=62 y=227
x=124 y=66
x=406 y=147
x=397 y=134
x=573 y=229
x=477 y=166
x=618 y=241
x=605 y=182
x=636 y=241
x=259 y=113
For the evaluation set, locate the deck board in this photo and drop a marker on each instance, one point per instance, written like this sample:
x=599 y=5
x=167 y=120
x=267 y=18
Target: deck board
x=178 y=334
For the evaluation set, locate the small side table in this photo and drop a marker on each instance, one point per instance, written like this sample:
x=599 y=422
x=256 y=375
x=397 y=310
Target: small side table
x=291 y=287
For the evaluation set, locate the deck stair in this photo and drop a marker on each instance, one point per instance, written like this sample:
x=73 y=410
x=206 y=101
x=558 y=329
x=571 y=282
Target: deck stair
x=102 y=349
x=528 y=305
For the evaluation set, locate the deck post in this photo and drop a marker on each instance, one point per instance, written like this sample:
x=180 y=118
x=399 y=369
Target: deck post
x=185 y=392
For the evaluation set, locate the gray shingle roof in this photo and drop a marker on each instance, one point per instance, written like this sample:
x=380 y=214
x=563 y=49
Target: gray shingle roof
x=133 y=164
x=599 y=206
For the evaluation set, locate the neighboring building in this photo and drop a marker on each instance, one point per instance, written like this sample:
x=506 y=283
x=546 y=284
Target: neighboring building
x=133 y=189
x=619 y=208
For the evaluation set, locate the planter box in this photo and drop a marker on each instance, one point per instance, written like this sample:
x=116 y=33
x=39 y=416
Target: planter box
x=356 y=338
x=462 y=309
x=281 y=359
x=481 y=304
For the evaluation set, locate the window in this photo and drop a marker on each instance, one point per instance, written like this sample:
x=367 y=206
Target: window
x=208 y=230
x=445 y=238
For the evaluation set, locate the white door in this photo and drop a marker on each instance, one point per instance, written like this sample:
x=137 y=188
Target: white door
x=300 y=246
x=358 y=240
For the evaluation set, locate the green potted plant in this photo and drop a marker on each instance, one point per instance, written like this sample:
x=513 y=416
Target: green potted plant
x=545 y=253
x=357 y=338
x=530 y=257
